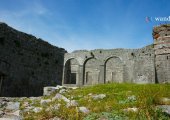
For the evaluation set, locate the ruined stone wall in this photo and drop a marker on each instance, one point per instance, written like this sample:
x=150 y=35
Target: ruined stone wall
x=114 y=65
x=161 y=35
x=27 y=64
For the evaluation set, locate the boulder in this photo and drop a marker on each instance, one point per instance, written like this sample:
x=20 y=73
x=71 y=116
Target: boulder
x=72 y=103
x=133 y=109
x=60 y=97
x=84 y=110
x=49 y=90
x=37 y=109
x=62 y=91
x=45 y=102
x=165 y=108
x=98 y=97
x=13 y=106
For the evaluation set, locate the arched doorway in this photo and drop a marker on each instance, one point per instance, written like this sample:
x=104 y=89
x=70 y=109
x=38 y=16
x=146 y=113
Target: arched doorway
x=71 y=71
x=91 y=71
x=113 y=70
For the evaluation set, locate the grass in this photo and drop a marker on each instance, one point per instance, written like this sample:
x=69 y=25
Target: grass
x=144 y=97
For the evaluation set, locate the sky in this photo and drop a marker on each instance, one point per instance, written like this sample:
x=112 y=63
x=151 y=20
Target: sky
x=87 y=24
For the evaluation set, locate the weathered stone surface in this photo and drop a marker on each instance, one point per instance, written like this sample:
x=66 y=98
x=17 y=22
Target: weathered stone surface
x=45 y=102
x=49 y=90
x=60 y=97
x=133 y=109
x=165 y=108
x=62 y=91
x=12 y=116
x=162 y=53
x=98 y=97
x=37 y=109
x=72 y=103
x=84 y=110
x=27 y=63
x=114 y=65
x=13 y=106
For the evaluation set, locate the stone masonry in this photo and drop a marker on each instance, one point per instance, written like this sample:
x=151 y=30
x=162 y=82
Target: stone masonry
x=161 y=35
x=103 y=66
x=27 y=64
x=150 y=64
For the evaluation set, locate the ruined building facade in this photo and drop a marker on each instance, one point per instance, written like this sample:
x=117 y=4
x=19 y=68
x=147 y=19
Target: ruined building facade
x=27 y=64
x=150 y=64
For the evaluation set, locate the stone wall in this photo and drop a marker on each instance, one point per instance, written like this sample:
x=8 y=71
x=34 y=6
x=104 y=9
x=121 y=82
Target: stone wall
x=161 y=35
x=114 y=65
x=27 y=64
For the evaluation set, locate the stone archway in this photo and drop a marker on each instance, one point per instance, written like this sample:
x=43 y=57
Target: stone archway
x=91 y=71
x=113 y=70
x=71 y=71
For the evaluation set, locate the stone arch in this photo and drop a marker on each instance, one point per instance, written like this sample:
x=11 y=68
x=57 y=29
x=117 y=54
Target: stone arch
x=91 y=71
x=113 y=69
x=71 y=68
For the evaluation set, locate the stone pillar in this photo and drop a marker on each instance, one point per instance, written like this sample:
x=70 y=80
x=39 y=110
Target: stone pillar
x=80 y=74
x=161 y=35
x=101 y=75
x=63 y=77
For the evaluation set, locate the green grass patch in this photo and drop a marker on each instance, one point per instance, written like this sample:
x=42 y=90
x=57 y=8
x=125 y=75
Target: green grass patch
x=118 y=98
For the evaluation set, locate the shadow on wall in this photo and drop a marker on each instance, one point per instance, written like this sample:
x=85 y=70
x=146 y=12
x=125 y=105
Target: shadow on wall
x=70 y=71
x=27 y=84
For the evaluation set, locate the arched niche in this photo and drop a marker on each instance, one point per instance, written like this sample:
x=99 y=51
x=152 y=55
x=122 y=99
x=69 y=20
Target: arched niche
x=71 y=71
x=91 y=71
x=113 y=70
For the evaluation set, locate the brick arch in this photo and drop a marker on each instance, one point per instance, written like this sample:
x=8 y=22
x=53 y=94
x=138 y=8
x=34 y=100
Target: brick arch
x=71 y=68
x=113 y=71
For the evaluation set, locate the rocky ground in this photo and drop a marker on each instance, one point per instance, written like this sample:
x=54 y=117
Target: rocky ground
x=56 y=101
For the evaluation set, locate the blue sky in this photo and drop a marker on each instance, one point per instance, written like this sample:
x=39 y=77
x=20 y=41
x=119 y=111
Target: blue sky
x=86 y=24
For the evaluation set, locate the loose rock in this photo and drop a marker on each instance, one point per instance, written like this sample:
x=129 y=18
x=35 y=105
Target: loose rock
x=13 y=106
x=84 y=110
x=97 y=97
x=45 y=102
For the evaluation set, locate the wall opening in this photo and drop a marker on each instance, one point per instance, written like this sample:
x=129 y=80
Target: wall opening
x=91 y=71
x=113 y=70
x=71 y=71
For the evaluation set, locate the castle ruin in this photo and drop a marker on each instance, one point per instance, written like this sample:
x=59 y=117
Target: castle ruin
x=150 y=64
x=27 y=64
